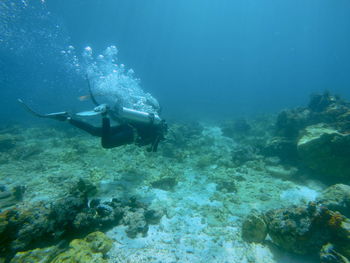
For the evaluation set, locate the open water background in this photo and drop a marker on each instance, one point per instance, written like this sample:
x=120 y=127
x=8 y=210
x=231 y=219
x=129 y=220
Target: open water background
x=201 y=59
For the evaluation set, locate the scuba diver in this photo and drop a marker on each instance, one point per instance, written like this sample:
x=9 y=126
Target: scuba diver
x=138 y=127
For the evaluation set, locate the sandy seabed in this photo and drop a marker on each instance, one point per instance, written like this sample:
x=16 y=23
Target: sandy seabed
x=204 y=193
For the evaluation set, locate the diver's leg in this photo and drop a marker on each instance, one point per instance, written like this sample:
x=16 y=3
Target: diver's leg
x=95 y=131
x=115 y=136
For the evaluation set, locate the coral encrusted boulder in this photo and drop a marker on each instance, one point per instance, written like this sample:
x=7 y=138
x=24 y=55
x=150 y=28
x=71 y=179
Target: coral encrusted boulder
x=254 y=228
x=93 y=248
x=336 y=198
x=325 y=151
x=307 y=229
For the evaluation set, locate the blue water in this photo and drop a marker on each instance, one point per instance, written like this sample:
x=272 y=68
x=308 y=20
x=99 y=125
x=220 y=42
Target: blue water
x=200 y=58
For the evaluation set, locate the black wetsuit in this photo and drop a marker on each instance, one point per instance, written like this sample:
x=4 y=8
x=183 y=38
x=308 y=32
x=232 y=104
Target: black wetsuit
x=126 y=133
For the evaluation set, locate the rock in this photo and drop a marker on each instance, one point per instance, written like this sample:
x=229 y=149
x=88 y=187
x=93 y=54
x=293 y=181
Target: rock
x=243 y=154
x=254 y=229
x=236 y=127
x=343 y=121
x=290 y=122
x=26 y=229
x=330 y=109
x=153 y=216
x=165 y=183
x=24 y=153
x=281 y=171
x=337 y=198
x=310 y=230
x=284 y=148
x=99 y=242
x=9 y=198
x=320 y=102
x=49 y=223
x=328 y=254
x=7 y=142
x=343 y=233
x=326 y=152
x=226 y=186
x=301 y=230
x=316 y=137
x=136 y=222
x=83 y=187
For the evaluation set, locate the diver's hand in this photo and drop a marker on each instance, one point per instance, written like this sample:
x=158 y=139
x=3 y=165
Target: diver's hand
x=103 y=109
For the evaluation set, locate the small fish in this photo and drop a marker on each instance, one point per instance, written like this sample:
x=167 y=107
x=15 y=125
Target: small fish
x=88 y=97
x=84 y=97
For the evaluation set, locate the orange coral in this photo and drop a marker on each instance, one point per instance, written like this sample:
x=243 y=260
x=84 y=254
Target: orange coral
x=335 y=220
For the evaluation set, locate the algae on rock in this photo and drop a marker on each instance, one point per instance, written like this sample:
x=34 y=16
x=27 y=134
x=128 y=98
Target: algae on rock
x=337 y=198
x=326 y=151
x=254 y=228
x=93 y=248
x=38 y=255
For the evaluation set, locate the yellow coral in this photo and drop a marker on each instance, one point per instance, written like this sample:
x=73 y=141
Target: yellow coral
x=99 y=242
x=39 y=255
x=92 y=248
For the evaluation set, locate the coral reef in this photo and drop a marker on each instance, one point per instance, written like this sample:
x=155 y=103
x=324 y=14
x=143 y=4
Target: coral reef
x=284 y=148
x=236 y=128
x=315 y=137
x=207 y=177
x=301 y=230
x=38 y=255
x=325 y=150
x=7 y=142
x=92 y=248
x=254 y=228
x=290 y=122
x=165 y=183
x=281 y=171
x=9 y=198
x=68 y=218
x=305 y=230
x=329 y=254
x=336 y=198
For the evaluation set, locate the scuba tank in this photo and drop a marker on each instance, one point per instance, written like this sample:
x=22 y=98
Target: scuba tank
x=121 y=113
x=124 y=114
x=128 y=114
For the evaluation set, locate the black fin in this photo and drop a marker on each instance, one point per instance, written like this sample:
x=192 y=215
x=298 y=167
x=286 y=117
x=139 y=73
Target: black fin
x=27 y=108
x=62 y=115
